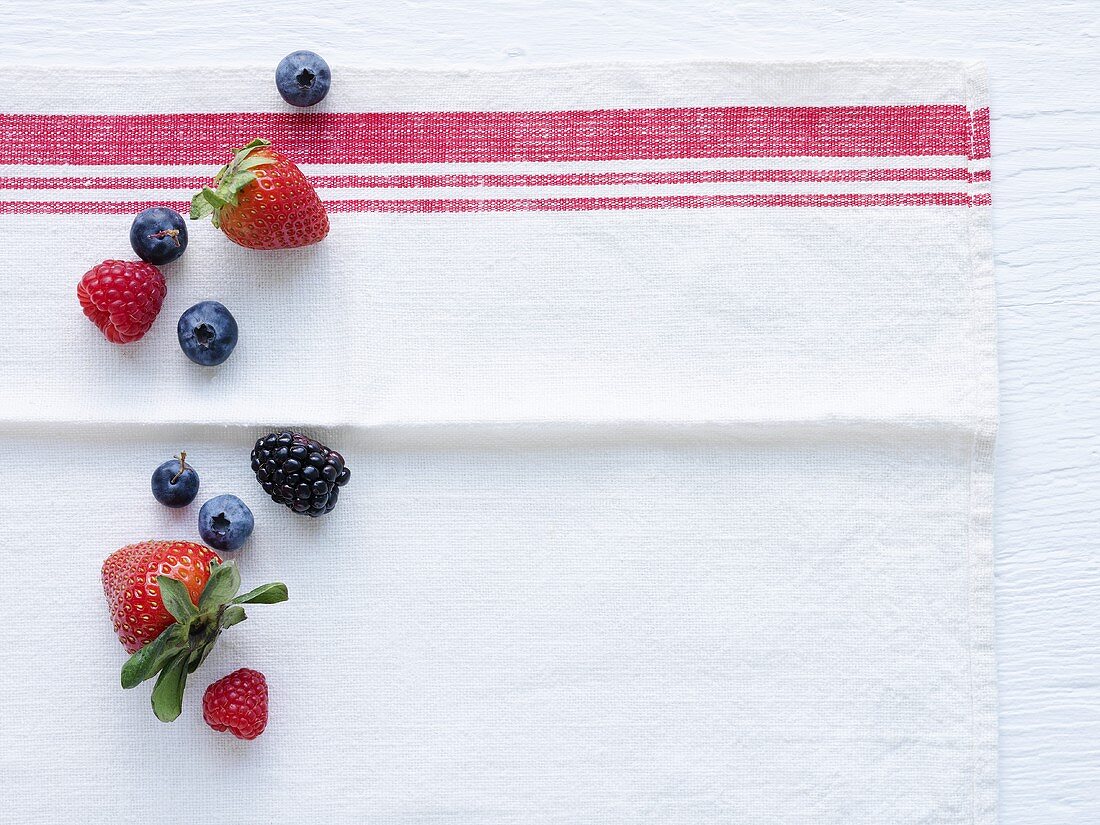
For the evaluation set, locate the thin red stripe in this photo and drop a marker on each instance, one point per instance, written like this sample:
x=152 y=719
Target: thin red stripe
x=534 y=204
x=86 y=207
x=122 y=182
x=544 y=179
x=450 y=137
x=641 y=178
x=643 y=202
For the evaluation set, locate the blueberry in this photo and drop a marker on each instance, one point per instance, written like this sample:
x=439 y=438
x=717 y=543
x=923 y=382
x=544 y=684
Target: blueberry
x=207 y=333
x=159 y=235
x=225 y=523
x=303 y=78
x=175 y=482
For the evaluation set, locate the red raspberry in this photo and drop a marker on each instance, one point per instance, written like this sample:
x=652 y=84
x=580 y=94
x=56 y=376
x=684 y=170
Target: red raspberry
x=237 y=703
x=122 y=298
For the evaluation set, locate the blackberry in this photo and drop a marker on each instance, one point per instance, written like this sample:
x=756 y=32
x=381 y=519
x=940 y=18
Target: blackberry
x=299 y=472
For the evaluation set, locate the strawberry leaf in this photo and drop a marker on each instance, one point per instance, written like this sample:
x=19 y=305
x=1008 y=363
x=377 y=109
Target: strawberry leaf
x=228 y=189
x=177 y=600
x=216 y=200
x=272 y=593
x=233 y=615
x=255 y=143
x=200 y=207
x=150 y=659
x=167 y=696
x=223 y=584
x=206 y=202
x=252 y=161
x=198 y=656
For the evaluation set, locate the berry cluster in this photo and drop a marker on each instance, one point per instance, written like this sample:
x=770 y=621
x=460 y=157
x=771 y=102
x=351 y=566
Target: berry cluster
x=123 y=298
x=170 y=600
x=260 y=200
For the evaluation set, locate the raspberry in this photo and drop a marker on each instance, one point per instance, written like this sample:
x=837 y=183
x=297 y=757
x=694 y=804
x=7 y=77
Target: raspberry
x=237 y=703
x=122 y=298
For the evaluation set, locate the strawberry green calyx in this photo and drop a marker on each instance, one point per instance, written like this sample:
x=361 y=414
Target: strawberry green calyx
x=229 y=181
x=183 y=646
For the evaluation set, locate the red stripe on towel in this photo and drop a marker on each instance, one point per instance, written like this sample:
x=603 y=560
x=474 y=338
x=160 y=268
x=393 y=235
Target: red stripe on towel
x=460 y=137
x=540 y=204
x=520 y=179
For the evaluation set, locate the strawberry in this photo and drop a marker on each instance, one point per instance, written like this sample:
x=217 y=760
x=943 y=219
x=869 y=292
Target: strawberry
x=237 y=703
x=122 y=298
x=133 y=596
x=263 y=201
x=169 y=601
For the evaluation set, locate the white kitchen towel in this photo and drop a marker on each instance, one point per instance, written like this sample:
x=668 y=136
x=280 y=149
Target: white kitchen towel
x=669 y=397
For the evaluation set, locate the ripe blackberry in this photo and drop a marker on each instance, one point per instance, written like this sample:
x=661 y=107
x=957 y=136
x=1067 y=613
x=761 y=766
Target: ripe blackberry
x=299 y=472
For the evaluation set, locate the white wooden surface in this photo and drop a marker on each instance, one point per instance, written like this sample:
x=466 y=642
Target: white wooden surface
x=1044 y=61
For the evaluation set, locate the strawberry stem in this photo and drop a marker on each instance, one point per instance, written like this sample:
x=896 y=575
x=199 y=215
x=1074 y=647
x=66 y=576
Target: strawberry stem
x=182 y=647
x=229 y=181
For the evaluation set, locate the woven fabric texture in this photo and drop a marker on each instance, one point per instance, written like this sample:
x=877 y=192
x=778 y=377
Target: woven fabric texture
x=669 y=393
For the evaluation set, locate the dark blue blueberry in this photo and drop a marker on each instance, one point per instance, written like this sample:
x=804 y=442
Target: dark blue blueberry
x=303 y=78
x=159 y=235
x=207 y=333
x=175 y=482
x=225 y=523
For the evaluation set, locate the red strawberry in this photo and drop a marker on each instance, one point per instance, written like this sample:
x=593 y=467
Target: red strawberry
x=122 y=298
x=133 y=596
x=237 y=703
x=263 y=201
x=169 y=601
